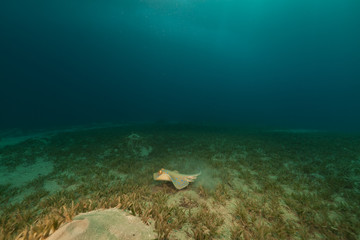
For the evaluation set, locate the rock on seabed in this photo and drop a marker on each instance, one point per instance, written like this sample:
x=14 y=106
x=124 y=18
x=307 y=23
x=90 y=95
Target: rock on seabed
x=104 y=225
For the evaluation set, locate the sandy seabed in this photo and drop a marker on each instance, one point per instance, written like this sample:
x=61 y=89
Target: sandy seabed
x=255 y=183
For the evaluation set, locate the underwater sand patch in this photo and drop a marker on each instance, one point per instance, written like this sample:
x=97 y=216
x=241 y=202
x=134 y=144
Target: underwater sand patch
x=25 y=173
x=104 y=225
x=240 y=184
x=52 y=186
x=273 y=177
x=18 y=198
x=288 y=215
x=287 y=189
x=224 y=211
x=10 y=141
x=187 y=199
x=117 y=175
x=16 y=136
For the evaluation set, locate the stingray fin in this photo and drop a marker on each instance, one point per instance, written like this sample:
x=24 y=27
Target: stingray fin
x=179 y=182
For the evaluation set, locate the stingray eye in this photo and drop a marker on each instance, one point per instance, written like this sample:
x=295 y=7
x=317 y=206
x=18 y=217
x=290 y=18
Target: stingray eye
x=160 y=172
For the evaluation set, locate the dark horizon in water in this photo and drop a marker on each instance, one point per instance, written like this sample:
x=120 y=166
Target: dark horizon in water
x=262 y=63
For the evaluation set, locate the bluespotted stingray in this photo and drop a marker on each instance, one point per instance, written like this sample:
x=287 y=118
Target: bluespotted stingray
x=179 y=180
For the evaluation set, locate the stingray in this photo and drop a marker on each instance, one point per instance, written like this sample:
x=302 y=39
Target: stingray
x=179 y=180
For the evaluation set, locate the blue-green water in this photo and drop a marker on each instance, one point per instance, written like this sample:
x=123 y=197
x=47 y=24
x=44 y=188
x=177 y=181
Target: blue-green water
x=266 y=63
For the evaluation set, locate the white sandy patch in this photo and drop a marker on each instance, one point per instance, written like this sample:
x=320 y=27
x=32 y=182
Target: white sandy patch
x=240 y=184
x=117 y=175
x=8 y=141
x=287 y=214
x=175 y=199
x=40 y=134
x=69 y=174
x=24 y=174
x=22 y=195
x=287 y=189
x=145 y=151
x=52 y=186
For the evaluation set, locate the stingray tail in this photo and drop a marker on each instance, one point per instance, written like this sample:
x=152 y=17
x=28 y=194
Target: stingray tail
x=191 y=178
